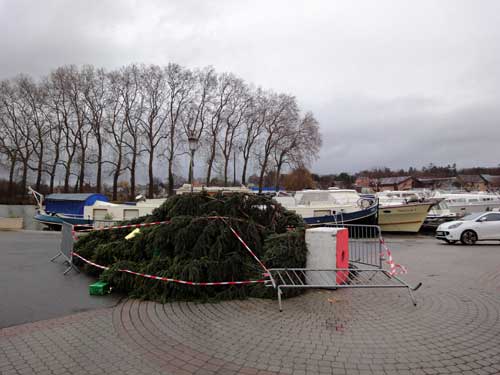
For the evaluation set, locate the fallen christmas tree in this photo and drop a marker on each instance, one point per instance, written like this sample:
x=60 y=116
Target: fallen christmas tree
x=198 y=245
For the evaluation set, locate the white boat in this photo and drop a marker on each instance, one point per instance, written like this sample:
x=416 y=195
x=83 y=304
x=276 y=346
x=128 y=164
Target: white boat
x=467 y=203
x=438 y=214
x=105 y=213
x=402 y=211
x=331 y=206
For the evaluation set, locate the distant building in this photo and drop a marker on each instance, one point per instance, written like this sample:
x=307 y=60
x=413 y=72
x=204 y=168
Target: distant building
x=396 y=183
x=473 y=182
x=364 y=182
x=433 y=183
x=493 y=182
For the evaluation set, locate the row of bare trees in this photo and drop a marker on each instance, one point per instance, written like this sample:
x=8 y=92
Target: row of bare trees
x=80 y=120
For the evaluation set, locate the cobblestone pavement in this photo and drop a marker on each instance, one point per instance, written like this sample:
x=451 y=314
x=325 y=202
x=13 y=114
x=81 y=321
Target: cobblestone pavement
x=455 y=329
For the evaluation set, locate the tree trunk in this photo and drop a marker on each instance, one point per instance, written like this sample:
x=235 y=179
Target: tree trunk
x=277 y=180
x=11 y=176
x=150 y=173
x=132 y=176
x=210 y=164
x=170 y=177
x=234 y=169
x=82 y=172
x=98 y=182
x=226 y=164
x=261 y=177
x=116 y=175
x=54 y=169
x=66 y=177
x=40 y=168
x=244 y=173
x=25 y=176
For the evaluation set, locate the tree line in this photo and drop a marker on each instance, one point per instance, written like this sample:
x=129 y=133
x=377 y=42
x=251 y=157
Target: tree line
x=83 y=123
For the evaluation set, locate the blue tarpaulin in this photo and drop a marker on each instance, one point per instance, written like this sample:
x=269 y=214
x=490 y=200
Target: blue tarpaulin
x=72 y=204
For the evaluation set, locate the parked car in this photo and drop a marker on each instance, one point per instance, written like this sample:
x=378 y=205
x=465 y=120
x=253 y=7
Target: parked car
x=471 y=228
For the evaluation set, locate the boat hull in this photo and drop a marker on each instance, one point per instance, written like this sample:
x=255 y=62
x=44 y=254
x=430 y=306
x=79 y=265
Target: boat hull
x=403 y=218
x=366 y=216
x=55 y=222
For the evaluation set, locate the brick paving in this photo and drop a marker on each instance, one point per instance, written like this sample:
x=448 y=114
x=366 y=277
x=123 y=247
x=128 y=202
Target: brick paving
x=455 y=329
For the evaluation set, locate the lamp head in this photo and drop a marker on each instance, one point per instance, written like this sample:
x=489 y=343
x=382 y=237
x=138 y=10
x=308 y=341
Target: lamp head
x=193 y=143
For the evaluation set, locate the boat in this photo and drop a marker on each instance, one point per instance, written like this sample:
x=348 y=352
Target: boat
x=467 y=203
x=55 y=209
x=104 y=214
x=332 y=206
x=438 y=214
x=402 y=211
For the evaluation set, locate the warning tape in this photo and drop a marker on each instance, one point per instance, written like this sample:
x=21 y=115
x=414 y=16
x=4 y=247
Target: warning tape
x=75 y=237
x=140 y=225
x=265 y=274
x=396 y=269
x=168 y=279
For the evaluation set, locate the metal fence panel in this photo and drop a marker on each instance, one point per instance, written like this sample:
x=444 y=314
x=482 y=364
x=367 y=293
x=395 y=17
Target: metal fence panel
x=365 y=246
x=66 y=247
x=307 y=278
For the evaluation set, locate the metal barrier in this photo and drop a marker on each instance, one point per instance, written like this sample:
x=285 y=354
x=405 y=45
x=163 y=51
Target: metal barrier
x=365 y=249
x=365 y=243
x=66 y=248
x=302 y=278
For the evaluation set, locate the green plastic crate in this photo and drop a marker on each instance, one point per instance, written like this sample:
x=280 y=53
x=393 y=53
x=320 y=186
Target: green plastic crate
x=99 y=288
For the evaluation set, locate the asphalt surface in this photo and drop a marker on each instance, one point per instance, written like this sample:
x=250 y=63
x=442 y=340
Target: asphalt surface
x=32 y=288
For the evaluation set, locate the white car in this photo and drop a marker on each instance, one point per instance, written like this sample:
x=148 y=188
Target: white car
x=471 y=228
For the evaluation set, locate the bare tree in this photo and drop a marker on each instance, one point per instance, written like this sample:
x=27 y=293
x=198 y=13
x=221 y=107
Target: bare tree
x=94 y=87
x=19 y=126
x=61 y=127
x=299 y=145
x=234 y=116
x=115 y=128
x=224 y=91
x=198 y=107
x=132 y=111
x=11 y=137
x=179 y=82
x=154 y=93
x=252 y=128
x=280 y=111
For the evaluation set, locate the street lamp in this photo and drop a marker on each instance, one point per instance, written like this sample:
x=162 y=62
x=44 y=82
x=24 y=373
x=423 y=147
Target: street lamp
x=193 y=145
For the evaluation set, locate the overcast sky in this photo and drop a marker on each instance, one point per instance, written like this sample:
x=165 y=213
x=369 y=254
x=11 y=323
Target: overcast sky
x=393 y=83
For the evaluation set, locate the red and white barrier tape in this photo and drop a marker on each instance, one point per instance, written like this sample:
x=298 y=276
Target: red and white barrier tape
x=168 y=279
x=75 y=237
x=248 y=248
x=396 y=269
x=140 y=225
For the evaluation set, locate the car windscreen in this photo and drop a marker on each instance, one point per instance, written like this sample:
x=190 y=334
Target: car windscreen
x=472 y=216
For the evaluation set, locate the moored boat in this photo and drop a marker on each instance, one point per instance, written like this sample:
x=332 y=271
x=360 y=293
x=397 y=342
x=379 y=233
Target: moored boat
x=402 y=211
x=333 y=206
x=54 y=209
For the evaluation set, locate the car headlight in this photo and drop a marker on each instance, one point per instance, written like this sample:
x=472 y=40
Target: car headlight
x=453 y=226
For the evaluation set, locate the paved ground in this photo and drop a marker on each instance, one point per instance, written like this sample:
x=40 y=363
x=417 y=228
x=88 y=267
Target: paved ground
x=32 y=288
x=455 y=329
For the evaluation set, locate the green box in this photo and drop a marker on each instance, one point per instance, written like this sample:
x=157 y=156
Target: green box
x=99 y=288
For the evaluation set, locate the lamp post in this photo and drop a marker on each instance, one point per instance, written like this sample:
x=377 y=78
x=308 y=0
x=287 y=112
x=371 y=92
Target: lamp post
x=193 y=144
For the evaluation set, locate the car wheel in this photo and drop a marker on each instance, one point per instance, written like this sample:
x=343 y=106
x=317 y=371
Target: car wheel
x=469 y=237
x=450 y=242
